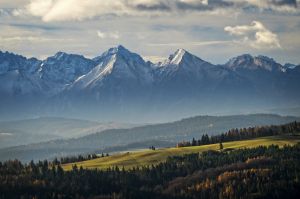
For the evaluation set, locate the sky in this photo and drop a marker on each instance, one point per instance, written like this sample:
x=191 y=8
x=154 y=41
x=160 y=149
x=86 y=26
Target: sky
x=214 y=30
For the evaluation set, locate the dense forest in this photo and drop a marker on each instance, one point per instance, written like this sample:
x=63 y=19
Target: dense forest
x=262 y=172
x=244 y=134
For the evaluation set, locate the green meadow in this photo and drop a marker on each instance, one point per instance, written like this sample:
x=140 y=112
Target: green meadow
x=151 y=157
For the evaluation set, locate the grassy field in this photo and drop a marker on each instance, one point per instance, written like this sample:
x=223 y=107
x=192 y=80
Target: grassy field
x=149 y=157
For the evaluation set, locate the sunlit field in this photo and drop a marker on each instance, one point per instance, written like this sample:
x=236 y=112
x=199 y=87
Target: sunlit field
x=148 y=157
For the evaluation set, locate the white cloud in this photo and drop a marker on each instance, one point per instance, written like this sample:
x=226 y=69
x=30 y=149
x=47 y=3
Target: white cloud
x=18 y=12
x=5 y=134
x=39 y=8
x=61 y=10
x=109 y=35
x=101 y=34
x=154 y=59
x=66 y=10
x=255 y=35
x=195 y=2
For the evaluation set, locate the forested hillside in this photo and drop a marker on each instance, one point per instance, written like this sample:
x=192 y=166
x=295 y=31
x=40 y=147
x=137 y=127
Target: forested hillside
x=262 y=172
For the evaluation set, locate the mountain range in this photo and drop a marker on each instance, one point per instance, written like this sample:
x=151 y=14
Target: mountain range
x=121 y=85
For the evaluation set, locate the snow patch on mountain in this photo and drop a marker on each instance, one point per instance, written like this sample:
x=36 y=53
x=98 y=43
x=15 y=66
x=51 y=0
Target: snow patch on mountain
x=289 y=66
x=184 y=66
x=62 y=69
x=249 y=62
x=177 y=57
x=116 y=63
x=120 y=76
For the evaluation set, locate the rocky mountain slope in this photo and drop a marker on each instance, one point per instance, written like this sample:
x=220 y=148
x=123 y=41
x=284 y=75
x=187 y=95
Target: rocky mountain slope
x=119 y=84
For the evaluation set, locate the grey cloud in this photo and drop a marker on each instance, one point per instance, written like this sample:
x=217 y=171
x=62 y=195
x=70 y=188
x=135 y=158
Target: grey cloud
x=167 y=27
x=211 y=5
x=61 y=10
x=36 y=26
x=6 y=12
x=282 y=6
x=164 y=5
x=156 y=7
x=273 y=5
x=285 y=2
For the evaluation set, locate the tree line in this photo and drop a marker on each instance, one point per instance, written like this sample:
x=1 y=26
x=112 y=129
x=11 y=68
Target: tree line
x=243 y=134
x=79 y=158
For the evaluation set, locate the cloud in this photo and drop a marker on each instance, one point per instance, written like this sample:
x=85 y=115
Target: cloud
x=28 y=26
x=202 y=5
x=255 y=35
x=109 y=35
x=285 y=6
x=29 y=38
x=64 y=10
x=154 y=59
x=6 y=12
x=149 y=5
x=12 y=4
x=266 y=3
x=36 y=39
x=6 y=134
x=196 y=43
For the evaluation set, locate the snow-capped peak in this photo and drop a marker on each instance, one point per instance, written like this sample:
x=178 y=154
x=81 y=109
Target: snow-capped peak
x=182 y=58
x=59 y=55
x=242 y=59
x=62 y=69
x=174 y=59
x=120 y=59
x=116 y=50
x=177 y=57
x=116 y=63
x=250 y=62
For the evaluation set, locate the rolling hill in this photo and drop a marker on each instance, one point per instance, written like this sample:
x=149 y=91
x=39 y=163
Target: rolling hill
x=128 y=160
x=159 y=135
x=23 y=132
